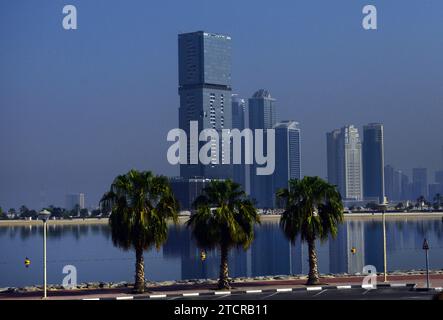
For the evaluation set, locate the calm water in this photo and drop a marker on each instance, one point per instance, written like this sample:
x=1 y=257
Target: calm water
x=90 y=249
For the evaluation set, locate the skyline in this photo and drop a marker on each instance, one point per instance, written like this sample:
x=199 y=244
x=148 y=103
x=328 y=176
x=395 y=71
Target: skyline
x=50 y=151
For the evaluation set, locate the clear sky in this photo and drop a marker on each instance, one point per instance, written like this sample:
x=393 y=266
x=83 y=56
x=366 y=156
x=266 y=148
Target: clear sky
x=79 y=107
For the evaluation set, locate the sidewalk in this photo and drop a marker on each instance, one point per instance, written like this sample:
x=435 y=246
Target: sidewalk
x=201 y=289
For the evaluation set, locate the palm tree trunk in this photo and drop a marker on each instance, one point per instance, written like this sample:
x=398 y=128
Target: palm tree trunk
x=313 y=277
x=223 y=282
x=139 y=286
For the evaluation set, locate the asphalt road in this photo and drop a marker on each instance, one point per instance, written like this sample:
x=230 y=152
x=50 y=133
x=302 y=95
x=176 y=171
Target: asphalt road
x=326 y=294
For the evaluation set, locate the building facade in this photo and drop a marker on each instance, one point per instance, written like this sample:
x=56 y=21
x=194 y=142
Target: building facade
x=205 y=97
x=345 y=162
x=419 y=183
x=287 y=156
x=262 y=115
x=75 y=200
x=186 y=190
x=373 y=162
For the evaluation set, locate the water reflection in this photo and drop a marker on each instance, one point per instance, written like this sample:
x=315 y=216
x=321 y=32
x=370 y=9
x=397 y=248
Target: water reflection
x=89 y=247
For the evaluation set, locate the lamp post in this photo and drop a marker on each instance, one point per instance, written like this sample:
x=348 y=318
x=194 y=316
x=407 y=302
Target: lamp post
x=426 y=248
x=44 y=215
x=383 y=207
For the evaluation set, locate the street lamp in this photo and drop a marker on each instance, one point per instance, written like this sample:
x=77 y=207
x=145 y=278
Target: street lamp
x=44 y=215
x=383 y=207
x=426 y=248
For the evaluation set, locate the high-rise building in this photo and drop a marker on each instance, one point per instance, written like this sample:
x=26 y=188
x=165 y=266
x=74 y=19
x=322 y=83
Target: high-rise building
x=373 y=162
x=419 y=182
x=393 y=183
x=239 y=122
x=205 y=97
x=75 y=200
x=398 y=176
x=389 y=182
x=186 y=190
x=287 y=155
x=333 y=156
x=345 y=162
x=406 y=187
x=262 y=115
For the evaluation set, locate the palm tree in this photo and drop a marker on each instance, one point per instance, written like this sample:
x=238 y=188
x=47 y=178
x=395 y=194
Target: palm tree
x=140 y=204
x=313 y=210
x=224 y=218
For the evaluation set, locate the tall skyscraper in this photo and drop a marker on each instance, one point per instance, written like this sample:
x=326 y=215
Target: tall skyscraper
x=393 y=183
x=205 y=96
x=398 y=176
x=239 y=122
x=373 y=162
x=406 y=187
x=334 y=171
x=389 y=182
x=419 y=182
x=74 y=200
x=345 y=162
x=262 y=115
x=287 y=155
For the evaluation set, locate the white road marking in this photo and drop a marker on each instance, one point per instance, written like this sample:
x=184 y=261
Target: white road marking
x=314 y=288
x=157 y=296
x=193 y=294
x=222 y=292
x=124 y=298
x=368 y=286
x=254 y=291
x=284 y=290
x=398 y=285
x=344 y=287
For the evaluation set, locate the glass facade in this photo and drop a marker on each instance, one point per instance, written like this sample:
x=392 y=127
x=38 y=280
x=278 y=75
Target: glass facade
x=287 y=155
x=373 y=162
x=205 y=96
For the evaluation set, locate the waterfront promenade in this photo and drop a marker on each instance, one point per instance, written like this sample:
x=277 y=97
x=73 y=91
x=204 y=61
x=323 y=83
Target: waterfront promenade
x=413 y=282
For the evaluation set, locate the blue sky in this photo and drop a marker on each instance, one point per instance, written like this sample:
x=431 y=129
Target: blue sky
x=79 y=107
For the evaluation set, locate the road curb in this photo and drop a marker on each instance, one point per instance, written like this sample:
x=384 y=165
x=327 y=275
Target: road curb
x=255 y=291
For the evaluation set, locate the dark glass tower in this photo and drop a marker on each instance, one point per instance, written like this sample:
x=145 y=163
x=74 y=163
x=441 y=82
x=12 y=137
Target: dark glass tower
x=287 y=156
x=373 y=162
x=205 y=95
x=262 y=115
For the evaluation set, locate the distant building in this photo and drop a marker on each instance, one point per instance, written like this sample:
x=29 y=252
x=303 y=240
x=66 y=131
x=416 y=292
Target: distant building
x=239 y=122
x=186 y=190
x=393 y=183
x=389 y=182
x=373 y=162
x=205 y=96
x=75 y=200
x=345 y=162
x=406 y=187
x=419 y=183
x=262 y=115
x=434 y=189
x=287 y=155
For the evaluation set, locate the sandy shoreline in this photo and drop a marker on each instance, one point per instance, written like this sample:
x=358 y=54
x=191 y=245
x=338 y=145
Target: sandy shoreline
x=264 y=218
